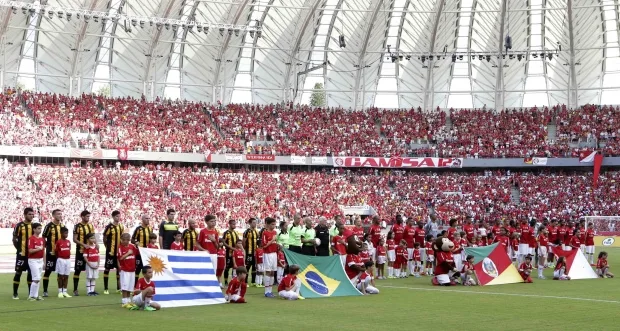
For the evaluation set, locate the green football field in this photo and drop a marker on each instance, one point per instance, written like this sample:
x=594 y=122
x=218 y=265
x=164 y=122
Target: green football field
x=403 y=303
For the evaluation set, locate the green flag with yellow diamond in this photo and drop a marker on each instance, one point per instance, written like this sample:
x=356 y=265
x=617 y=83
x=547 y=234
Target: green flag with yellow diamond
x=321 y=276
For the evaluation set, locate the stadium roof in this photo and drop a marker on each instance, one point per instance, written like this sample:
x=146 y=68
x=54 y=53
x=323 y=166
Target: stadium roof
x=298 y=46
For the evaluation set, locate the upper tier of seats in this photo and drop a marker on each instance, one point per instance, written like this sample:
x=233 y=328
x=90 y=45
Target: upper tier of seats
x=176 y=126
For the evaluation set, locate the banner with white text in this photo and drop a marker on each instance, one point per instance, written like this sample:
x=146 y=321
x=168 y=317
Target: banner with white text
x=396 y=162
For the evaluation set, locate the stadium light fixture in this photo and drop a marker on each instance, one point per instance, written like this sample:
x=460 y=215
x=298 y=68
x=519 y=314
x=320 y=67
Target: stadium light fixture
x=488 y=58
x=342 y=41
x=453 y=58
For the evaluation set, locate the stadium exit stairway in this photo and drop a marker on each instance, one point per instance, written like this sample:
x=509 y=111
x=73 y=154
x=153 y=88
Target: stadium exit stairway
x=515 y=195
x=551 y=131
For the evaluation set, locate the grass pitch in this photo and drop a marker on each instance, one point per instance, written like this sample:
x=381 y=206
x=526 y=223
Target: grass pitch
x=404 y=303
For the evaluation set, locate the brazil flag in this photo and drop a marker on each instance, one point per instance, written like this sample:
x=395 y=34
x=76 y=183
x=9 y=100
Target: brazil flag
x=321 y=276
x=493 y=266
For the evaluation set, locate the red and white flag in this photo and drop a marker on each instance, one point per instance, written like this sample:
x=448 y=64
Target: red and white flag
x=586 y=156
x=208 y=156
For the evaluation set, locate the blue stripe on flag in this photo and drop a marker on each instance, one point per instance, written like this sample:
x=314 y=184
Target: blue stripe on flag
x=197 y=259
x=187 y=283
x=197 y=271
x=188 y=296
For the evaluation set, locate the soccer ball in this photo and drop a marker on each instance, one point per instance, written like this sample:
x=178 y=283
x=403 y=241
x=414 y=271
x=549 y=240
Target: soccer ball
x=317 y=241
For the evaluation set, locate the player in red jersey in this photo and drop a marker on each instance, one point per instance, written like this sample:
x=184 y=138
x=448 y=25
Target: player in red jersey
x=375 y=231
x=430 y=254
x=457 y=250
x=391 y=253
x=561 y=235
x=36 y=260
x=221 y=261
x=575 y=242
x=570 y=230
x=289 y=287
x=467 y=273
x=532 y=235
x=525 y=269
x=553 y=234
x=409 y=237
x=208 y=239
x=400 y=263
x=281 y=263
x=602 y=268
x=468 y=228
x=590 y=243
x=91 y=257
x=63 y=262
x=354 y=267
x=514 y=247
x=339 y=246
x=543 y=243
x=524 y=241
x=259 y=256
x=560 y=270
x=238 y=255
x=126 y=257
x=503 y=239
x=145 y=291
x=177 y=244
x=417 y=260
x=235 y=293
x=381 y=259
x=420 y=236
x=269 y=239
x=398 y=229
x=582 y=237
x=452 y=229
x=358 y=229
x=364 y=253
x=152 y=241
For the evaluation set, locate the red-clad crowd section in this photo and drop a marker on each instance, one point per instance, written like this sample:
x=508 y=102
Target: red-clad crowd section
x=195 y=192
x=36 y=119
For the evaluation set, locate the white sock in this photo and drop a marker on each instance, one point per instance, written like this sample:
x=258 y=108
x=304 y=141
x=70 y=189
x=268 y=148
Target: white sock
x=397 y=272
x=390 y=271
x=540 y=271
x=34 y=290
x=64 y=290
x=259 y=280
x=60 y=290
x=267 y=285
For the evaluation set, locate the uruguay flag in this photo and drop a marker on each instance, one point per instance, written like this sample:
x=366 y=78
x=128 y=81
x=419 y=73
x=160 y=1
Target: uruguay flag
x=182 y=278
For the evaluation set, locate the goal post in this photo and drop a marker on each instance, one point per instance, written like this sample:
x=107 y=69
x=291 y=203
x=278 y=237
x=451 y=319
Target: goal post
x=606 y=230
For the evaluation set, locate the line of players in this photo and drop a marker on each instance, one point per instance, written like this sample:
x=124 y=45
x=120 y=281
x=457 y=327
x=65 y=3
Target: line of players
x=43 y=251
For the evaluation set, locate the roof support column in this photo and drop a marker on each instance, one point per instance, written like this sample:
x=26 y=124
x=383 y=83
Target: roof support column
x=499 y=78
x=430 y=86
x=362 y=58
x=572 y=82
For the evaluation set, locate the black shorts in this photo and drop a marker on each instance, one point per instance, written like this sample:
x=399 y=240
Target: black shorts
x=110 y=262
x=229 y=262
x=50 y=263
x=139 y=265
x=250 y=262
x=79 y=265
x=21 y=263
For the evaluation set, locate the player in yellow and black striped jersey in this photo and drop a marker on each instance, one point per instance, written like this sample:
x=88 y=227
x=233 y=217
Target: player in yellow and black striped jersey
x=230 y=238
x=51 y=233
x=21 y=233
x=79 y=238
x=111 y=239
x=140 y=238
x=190 y=235
x=250 y=238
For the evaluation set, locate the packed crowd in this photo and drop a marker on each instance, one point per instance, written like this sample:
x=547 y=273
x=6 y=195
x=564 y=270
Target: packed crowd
x=241 y=195
x=37 y=119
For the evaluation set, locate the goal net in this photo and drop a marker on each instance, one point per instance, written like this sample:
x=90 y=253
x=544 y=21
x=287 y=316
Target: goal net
x=606 y=230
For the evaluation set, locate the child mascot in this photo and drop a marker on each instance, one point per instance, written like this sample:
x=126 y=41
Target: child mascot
x=445 y=269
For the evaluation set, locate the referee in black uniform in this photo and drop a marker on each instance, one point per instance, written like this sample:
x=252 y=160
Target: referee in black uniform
x=230 y=240
x=322 y=232
x=140 y=238
x=189 y=236
x=51 y=233
x=250 y=238
x=79 y=238
x=21 y=233
x=111 y=239
x=167 y=229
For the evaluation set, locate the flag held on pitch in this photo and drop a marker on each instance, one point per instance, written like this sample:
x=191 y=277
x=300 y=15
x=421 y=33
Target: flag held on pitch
x=321 y=276
x=492 y=265
x=182 y=278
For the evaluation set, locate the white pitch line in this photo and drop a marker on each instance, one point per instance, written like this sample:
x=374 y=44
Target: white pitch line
x=499 y=293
